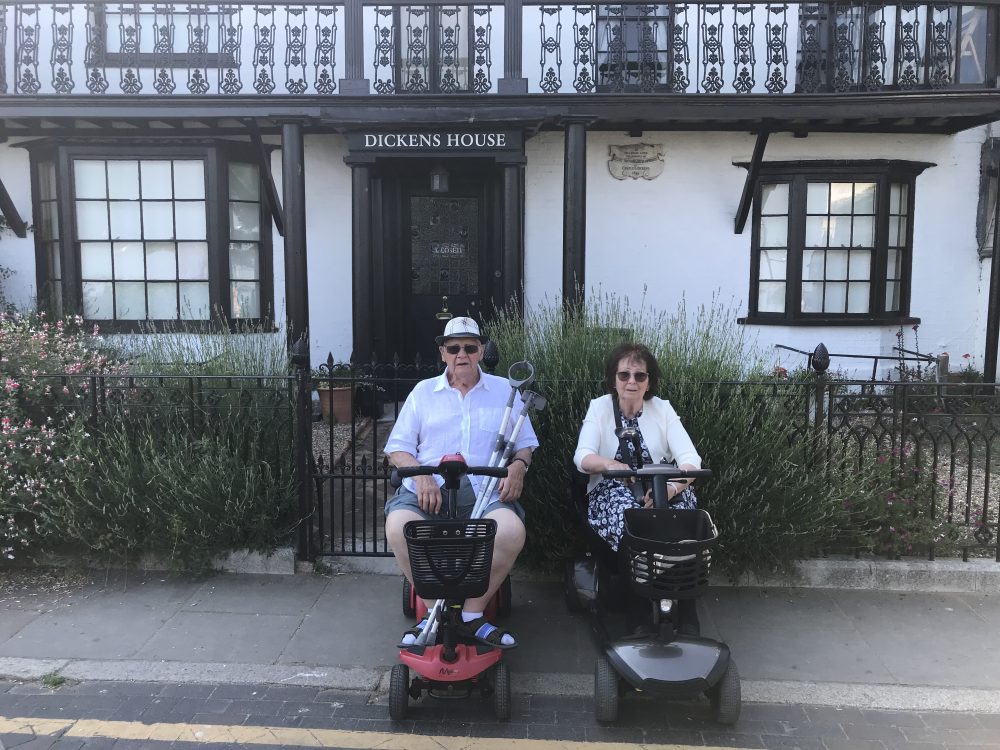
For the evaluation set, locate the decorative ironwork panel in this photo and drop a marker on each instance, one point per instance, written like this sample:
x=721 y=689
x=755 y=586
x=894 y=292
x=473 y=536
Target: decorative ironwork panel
x=296 y=38
x=875 y=57
x=449 y=33
x=129 y=41
x=845 y=49
x=385 y=51
x=481 y=57
x=164 y=33
x=230 y=36
x=444 y=241
x=199 y=44
x=810 y=71
x=680 y=50
x=551 y=55
x=941 y=55
x=909 y=51
x=777 y=49
x=744 y=56
x=712 y=54
x=414 y=74
x=325 y=58
x=263 y=50
x=584 y=51
x=61 y=56
x=27 y=33
x=93 y=58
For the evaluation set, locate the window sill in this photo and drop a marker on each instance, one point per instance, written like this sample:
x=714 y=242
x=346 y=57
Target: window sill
x=757 y=320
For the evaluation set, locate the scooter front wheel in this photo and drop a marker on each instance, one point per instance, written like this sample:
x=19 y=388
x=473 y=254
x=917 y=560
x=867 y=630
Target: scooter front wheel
x=501 y=692
x=726 y=696
x=399 y=692
x=605 y=690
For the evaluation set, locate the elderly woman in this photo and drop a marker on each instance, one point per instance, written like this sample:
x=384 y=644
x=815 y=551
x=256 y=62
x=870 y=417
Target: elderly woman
x=632 y=376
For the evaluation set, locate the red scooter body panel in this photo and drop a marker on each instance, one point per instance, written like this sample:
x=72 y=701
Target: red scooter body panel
x=431 y=666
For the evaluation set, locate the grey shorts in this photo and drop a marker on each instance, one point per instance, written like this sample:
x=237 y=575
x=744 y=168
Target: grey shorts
x=405 y=498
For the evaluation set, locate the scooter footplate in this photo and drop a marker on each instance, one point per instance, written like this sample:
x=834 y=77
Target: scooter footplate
x=682 y=667
x=432 y=667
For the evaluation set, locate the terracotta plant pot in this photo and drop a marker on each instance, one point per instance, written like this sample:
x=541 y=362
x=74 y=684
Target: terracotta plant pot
x=337 y=403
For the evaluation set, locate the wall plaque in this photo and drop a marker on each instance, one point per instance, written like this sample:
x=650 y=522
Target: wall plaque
x=636 y=160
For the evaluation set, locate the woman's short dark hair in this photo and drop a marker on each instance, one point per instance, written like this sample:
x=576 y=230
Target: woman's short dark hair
x=636 y=352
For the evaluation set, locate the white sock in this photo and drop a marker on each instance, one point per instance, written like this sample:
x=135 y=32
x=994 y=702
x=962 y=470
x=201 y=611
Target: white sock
x=409 y=639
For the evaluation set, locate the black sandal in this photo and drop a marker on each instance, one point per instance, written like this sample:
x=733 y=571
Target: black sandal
x=415 y=631
x=487 y=633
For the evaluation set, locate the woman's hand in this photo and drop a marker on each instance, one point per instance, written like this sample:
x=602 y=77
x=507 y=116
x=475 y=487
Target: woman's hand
x=613 y=465
x=647 y=501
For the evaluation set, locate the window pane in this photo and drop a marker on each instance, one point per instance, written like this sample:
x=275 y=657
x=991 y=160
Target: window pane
x=194 y=300
x=892 y=265
x=191 y=220
x=158 y=220
x=192 y=260
x=841 y=197
x=836 y=264
x=47 y=181
x=774 y=231
x=55 y=261
x=244 y=184
x=244 y=260
x=244 y=221
x=891 y=296
x=163 y=301
x=897 y=198
x=52 y=209
x=813 y=262
x=864 y=231
x=840 y=231
x=897 y=230
x=189 y=180
x=89 y=180
x=245 y=299
x=156 y=180
x=98 y=300
x=817 y=197
x=812 y=296
x=130 y=300
x=857 y=297
x=125 y=223
x=771 y=296
x=861 y=265
x=161 y=262
x=123 y=180
x=774 y=199
x=864 y=198
x=816 y=231
x=129 y=260
x=772 y=264
x=836 y=297
x=91 y=220
x=95 y=260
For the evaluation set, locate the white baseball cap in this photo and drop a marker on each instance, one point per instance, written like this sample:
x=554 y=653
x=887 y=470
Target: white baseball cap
x=461 y=328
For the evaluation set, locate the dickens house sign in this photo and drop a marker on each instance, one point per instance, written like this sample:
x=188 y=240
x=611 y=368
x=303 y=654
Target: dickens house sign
x=636 y=160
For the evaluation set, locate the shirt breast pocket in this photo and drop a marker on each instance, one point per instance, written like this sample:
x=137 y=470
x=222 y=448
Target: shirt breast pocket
x=488 y=420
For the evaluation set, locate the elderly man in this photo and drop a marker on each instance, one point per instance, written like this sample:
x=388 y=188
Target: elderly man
x=459 y=411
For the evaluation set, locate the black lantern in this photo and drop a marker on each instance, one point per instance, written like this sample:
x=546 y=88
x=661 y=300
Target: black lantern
x=439 y=179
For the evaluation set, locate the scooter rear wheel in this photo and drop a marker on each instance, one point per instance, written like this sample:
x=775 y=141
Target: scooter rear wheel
x=726 y=696
x=409 y=602
x=605 y=691
x=501 y=691
x=399 y=691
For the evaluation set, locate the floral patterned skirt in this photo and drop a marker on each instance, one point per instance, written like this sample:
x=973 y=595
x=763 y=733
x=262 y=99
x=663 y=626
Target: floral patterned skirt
x=608 y=501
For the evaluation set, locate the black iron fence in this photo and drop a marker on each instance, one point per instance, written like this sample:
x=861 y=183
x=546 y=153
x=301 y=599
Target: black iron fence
x=947 y=434
x=65 y=47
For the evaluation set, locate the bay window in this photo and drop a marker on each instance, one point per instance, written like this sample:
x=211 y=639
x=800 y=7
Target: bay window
x=832 y=242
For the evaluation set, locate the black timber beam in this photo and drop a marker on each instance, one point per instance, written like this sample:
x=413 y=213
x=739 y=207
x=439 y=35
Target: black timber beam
x=270 y=189
x=9 y=212
x=753 y=172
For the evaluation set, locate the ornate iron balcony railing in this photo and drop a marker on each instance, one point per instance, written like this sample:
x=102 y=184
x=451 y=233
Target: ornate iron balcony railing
x=51 y=48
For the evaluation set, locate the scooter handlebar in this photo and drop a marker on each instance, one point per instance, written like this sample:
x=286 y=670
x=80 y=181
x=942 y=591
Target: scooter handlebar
x=658 y=470
x=415 y=471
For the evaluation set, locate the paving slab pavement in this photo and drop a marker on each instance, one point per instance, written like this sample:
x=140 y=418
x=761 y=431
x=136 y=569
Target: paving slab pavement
x=867 y=649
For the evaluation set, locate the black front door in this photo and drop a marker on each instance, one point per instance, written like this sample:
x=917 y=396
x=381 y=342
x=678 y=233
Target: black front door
x=444 y=249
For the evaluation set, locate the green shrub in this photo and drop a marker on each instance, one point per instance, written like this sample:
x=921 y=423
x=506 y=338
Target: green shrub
x=769 y=503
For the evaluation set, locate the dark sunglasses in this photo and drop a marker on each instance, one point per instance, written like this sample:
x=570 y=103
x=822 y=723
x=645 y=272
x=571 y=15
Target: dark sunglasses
x=640 y=377
x=467 y=348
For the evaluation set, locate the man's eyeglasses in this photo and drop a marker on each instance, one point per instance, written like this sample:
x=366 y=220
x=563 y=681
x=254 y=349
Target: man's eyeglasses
x=467 y=348
x=640 y=377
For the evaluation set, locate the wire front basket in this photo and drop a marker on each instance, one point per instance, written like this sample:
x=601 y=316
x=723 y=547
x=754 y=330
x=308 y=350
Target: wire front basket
x=667 y=553
x=451 y=559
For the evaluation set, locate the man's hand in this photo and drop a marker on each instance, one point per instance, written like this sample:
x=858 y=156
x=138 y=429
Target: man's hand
x=513 y=483
x=428 y=493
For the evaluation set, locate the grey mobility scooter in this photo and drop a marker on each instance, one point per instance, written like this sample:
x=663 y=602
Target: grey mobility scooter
x=663 y=559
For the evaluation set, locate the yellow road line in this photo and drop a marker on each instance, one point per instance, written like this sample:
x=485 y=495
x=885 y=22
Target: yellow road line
x=334 y=738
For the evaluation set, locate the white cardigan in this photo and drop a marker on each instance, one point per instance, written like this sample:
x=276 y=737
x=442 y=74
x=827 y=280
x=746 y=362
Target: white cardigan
x=659 y=424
